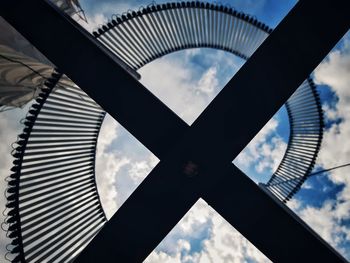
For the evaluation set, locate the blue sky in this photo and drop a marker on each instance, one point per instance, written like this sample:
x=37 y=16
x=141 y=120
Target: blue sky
x=187 y=81
x=186 y=71
x=270 y=12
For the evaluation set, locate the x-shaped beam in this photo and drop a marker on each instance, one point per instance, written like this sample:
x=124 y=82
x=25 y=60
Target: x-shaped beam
x=248 y=101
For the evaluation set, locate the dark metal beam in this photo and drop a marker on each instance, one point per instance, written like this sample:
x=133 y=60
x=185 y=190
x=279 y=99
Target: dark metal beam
x=91 y=66
x=167 y=192
x=214 y=140
x=266 y=222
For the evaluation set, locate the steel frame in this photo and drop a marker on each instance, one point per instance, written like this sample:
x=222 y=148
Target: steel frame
x=210 y=143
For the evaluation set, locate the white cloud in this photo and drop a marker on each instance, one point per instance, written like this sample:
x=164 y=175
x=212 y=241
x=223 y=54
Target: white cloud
x=138 y=170
x=94 y=22
x=173 y=83
x=100 y=13
x=222 y=243
x=307 y=185
x=162 y=257
x=118 y=171
x=132 y=174
x=108 y=163
x=228 y=245
x=327 y=222
x=265 y=151
x=185 y=87
x=208 y=84
x=328 y=219
x=335 y=72
x=294 y=204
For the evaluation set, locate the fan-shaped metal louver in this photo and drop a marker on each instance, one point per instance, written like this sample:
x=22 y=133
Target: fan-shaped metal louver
x=54 y=205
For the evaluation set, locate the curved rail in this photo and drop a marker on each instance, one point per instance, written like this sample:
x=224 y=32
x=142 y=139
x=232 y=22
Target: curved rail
x=306 y=131
x=143 y=36
x=54 y=206
x=157 y=30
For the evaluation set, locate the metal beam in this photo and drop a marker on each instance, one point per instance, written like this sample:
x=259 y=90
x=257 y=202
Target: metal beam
x=167 y=192
x=266 y=222
x=214 y=140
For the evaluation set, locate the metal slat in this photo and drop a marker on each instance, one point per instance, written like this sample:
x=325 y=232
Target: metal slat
x=51 y=225
x=34 y=165
x=50 y=241
x=83 y=243
x=52 y=168
x=94 y=228
x=115 y=46
x=54 y=198
x=52 y=192
x=43 y=175
x=61 y=177
x=29 y=222
x=46 y=110
x=68 y=181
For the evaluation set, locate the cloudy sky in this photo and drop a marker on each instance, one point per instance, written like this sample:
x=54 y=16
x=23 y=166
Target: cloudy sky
x=187 y=81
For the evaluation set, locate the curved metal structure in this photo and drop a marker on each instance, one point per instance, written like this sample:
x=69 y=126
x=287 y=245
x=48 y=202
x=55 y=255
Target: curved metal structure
x=143 y=36
x=54 y=206
x=306 y=130
x=52 y=196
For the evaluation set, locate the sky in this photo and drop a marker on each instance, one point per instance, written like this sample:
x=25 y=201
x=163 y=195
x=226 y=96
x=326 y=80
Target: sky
x=186 y=82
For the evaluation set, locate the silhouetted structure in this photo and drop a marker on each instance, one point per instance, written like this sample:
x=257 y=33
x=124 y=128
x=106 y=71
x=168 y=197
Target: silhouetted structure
x=140 y=37
x=55 y=153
